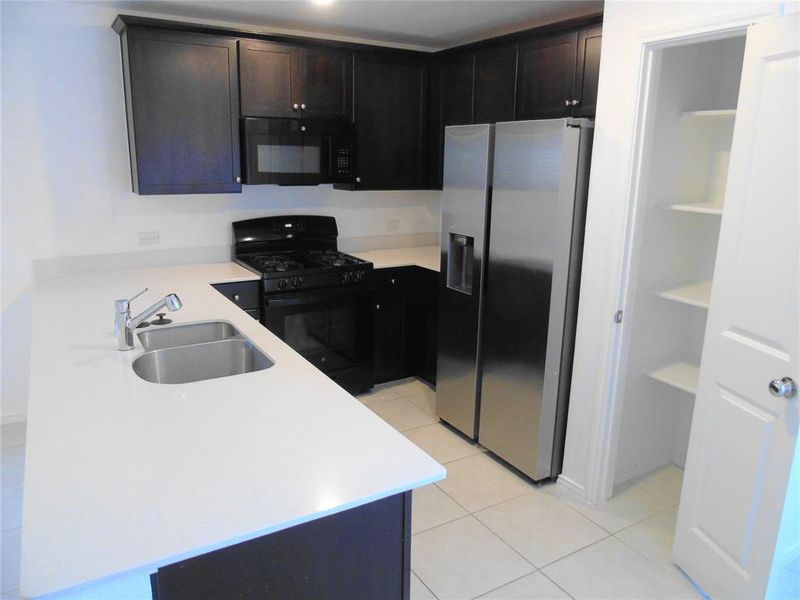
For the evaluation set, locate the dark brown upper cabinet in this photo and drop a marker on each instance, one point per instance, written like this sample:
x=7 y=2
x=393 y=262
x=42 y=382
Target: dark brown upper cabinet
x=269 y=79
x=182 y=100
x=326 y=78
x=495 y=79
x=451 y=104
x=390 y=118
x=282 y=80
x=588 y=71
x=546 y=84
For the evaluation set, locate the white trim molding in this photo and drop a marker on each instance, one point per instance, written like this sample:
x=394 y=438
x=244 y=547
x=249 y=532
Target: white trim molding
x=604 y=410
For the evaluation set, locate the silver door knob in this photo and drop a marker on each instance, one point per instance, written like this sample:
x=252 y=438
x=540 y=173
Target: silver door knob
x=567 y=103
x=785 y=387
x=302 y=128
x=295 y=106
x=576 y=102
x=238 y=180
x=302 y=107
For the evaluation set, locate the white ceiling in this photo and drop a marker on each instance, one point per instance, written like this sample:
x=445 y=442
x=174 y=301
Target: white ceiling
x=423 y=25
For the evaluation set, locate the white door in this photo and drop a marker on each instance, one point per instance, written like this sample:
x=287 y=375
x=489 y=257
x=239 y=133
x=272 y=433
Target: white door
x=743 y=437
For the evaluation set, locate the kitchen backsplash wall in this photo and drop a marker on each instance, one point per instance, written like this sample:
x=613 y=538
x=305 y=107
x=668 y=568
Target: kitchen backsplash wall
x=66 y=187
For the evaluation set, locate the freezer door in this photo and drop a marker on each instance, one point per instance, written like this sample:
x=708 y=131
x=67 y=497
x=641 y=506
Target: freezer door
x=465 y=202
x=536 y=234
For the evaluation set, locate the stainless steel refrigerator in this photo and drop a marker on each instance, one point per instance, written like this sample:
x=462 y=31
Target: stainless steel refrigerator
x=513 y=213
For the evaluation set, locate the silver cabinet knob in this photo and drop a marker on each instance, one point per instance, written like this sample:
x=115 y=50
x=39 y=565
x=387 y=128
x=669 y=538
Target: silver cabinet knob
x=377 y=307
x=295 y=106
x=238 y=180
x=236 y=297
x=358 y=179
x=302 y=127
x=576 y=102
x=785 y=387
x=302 y=107
x=393 y=281
x=567 y=103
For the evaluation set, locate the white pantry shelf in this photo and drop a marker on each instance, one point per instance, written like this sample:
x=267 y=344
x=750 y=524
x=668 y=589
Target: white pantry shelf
x=713 y=114
x=680 y=375
x=704 y=208
x=695 y=294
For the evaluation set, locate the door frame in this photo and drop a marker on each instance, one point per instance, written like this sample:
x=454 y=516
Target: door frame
x=601 y=455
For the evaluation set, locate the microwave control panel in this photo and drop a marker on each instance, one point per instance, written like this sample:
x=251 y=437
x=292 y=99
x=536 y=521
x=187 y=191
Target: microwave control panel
x=343 y=161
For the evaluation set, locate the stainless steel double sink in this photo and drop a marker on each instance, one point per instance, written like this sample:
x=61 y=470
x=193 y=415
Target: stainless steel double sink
x=197 y=352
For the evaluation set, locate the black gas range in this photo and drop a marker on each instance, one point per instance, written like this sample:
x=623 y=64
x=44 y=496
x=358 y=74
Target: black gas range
x=315 y=298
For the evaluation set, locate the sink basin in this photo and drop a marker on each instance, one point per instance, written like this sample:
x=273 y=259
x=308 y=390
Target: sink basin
x=198 y=362
x=183 y=335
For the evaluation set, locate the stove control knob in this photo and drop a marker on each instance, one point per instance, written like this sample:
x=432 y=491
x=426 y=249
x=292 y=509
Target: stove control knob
x=346 y=277
x=282 y=284
x=297 y=282
x=359 y=275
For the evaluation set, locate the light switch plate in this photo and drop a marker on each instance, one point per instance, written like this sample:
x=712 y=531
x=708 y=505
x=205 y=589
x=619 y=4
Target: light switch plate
x=149 y=238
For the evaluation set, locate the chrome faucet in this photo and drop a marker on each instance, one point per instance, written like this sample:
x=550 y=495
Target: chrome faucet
x=124 y=324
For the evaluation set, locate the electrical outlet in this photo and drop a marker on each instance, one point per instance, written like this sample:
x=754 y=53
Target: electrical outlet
x=149 y=238
x=392 y=224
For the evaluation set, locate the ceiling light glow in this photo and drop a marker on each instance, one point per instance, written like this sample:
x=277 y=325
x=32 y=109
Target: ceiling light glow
x=322 y=2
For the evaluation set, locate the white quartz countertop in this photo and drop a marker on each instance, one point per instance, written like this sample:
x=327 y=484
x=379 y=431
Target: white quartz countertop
x=427 y=257
x=125 y=476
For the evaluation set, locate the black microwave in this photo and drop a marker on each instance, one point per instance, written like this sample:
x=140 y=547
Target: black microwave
x=295 y=152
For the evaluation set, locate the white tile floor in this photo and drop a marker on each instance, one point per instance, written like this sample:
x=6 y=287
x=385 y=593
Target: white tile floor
x=486 y=533
x=12 y=469
x=483 y=532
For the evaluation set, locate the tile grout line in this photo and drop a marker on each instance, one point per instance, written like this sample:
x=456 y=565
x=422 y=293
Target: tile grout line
x=614 y=533
x=685 y=581
x=439 y=525
x=505 y=584
x=425 y=585
x=555 y=584
x=403 y=431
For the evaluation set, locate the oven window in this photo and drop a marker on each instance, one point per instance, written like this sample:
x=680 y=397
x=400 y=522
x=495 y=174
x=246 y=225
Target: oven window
x=324 y=331
x=284 y=158
x=333 y=333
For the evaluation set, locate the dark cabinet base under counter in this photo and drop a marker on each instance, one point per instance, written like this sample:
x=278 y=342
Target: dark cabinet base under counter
x=364 y=552
x=406 y=317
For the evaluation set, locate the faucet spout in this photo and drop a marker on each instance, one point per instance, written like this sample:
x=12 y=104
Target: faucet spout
x=171 y=301
x=125 y=324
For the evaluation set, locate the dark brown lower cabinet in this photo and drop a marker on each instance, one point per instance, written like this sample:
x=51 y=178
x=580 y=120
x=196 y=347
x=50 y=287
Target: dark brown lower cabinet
x=406 y=313
x=364 y=552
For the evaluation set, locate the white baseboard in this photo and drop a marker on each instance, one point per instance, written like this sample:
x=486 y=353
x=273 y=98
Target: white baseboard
x=11 y=419
x=572 y=486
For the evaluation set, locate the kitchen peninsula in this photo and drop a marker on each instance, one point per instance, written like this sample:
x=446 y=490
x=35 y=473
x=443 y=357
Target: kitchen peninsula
x=125 y=478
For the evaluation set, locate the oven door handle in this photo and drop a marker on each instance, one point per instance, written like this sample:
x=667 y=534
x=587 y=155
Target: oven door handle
x=314 y=296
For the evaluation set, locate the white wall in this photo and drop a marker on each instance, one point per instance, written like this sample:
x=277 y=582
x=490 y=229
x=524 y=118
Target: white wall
x=624 y=24
x=66 y=189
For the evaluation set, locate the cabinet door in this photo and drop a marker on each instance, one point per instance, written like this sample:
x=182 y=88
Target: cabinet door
x=545 y=88
x=390 y=349
x=422 y=323
x=326 y=83
x=269 y=79
x=495 y=78
x=588 y=71
x=452 y=104
x=390 y=102
x=182 y=98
